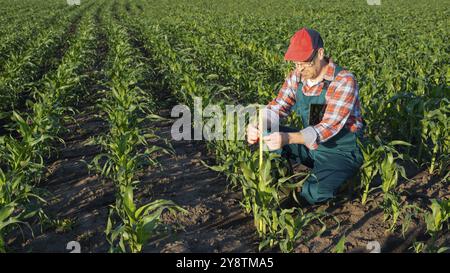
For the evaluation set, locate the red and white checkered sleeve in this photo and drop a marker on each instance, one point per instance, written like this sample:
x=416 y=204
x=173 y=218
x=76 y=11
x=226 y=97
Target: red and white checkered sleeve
x=339 y=107
x=286 y=97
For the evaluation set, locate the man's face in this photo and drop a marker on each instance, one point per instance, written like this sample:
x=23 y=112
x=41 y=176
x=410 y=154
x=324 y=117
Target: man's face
x=310 y=70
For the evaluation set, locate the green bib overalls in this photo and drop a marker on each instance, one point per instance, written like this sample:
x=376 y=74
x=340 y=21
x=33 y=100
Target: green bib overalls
x=333 y=162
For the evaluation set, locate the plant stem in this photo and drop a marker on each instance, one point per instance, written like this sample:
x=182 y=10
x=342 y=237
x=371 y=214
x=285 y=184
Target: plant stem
x=365 y=193
x=433 y=159
x=260 y=126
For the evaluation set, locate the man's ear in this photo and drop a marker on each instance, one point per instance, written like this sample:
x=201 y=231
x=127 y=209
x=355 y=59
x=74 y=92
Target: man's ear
x=321 y=53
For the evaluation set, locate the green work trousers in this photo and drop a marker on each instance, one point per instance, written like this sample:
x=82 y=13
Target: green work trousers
x=330 y=169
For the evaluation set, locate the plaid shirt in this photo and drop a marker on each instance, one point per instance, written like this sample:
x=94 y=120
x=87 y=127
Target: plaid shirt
x=343 y=106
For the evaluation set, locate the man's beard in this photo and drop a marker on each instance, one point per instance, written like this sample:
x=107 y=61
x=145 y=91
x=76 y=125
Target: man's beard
x=309 y=75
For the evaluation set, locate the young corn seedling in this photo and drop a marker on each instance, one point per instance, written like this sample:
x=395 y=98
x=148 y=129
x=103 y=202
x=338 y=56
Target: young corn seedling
x=261 y=189
x=435 y=128
x=138 y=224
x=125 y=108
x=374 y=154
x=340 y=246
x=7 y=218
x=288 y=226
x=21 y=166
x=390 y=172
x=262 y=182
x=21 y=72
x=23 y=154
x=231 y=151
x=436 y=222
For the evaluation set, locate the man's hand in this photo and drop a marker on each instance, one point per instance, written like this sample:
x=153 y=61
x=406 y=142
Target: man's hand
x=276 y=140
x=252 y=134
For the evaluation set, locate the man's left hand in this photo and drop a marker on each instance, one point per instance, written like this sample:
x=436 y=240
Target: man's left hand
x=276 y=140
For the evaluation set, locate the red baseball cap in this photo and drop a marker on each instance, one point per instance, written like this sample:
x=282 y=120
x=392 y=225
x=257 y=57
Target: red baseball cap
x=303 y=44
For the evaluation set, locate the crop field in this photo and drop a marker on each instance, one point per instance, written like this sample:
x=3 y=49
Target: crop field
x=88 y=161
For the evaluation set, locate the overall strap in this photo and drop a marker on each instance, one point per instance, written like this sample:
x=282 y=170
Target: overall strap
x=337 y=69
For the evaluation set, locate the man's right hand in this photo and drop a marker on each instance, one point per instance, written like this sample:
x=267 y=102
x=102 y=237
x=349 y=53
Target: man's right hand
x=252 y=134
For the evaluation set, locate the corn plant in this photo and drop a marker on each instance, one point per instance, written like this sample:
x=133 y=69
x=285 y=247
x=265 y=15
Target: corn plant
x=7 y=219
x=23 y=153
x=21 y=168
x=390 y=172
x=17 y=36
x=436 y=221
x=379 y=159
x=22 y=71
x=138 y=224
x=230 y=152
x=340 y=246
x=288 y=229
x=126 y=107
x=262 y=195
x=435 y=128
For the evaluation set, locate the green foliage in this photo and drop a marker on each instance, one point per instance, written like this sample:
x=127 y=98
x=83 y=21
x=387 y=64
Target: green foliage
x=379 y=158
x=223 y=54
x=340 y=246
x=126 y=107
x=138 y=224
x=38 y=126
x=202 y=56
x=437 y=223
x=262 y=195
